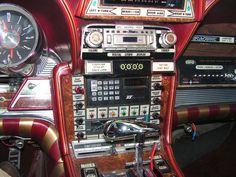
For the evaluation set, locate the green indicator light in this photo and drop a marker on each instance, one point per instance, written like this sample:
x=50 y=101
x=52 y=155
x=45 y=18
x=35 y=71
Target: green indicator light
x=94 y=3
x=134 y=113
x=189 y=8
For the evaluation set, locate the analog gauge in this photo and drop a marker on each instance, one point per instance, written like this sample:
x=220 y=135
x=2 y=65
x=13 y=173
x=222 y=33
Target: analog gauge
x=18 y=35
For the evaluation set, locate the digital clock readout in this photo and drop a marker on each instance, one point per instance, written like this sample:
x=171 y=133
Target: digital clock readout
x=142 y=67
x=131 y=67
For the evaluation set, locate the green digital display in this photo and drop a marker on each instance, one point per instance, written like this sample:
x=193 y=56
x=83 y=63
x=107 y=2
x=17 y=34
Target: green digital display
x=131 y=67
x=141 y=67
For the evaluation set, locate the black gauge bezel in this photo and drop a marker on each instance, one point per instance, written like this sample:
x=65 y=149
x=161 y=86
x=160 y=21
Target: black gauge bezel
x=29 y=16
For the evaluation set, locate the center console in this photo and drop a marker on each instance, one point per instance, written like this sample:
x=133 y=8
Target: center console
x=119 y=102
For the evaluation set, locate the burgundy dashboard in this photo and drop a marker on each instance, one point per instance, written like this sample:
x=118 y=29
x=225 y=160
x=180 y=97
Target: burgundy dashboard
x=95 y=87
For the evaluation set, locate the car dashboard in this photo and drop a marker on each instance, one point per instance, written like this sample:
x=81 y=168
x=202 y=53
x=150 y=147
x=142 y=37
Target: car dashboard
x=95 y=87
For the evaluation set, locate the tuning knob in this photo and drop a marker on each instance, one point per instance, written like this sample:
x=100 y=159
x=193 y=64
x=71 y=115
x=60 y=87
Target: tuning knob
x=167 y=39
x=94 y=39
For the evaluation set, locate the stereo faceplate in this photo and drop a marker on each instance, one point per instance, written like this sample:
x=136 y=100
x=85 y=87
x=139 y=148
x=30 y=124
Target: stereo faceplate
x=123 y=41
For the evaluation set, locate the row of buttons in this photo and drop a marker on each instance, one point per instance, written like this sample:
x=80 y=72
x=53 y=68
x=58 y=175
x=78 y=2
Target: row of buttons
x=98 y=85
x=78 y=102
x=157 y=87
x=105 y=93
x=106 y=98
x=105 y=90
x=117 y=87
x=130 y=31
x=121 y=111
x=106 y=82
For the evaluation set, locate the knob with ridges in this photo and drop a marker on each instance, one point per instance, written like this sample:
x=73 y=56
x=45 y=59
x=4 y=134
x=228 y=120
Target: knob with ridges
x=94 y=39
x=167 y=39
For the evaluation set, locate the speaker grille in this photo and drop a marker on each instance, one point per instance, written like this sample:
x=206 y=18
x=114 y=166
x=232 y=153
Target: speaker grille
x=187 y=97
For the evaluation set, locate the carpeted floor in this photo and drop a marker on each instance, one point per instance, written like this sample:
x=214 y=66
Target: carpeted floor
x=212 y=155
x=220 y=162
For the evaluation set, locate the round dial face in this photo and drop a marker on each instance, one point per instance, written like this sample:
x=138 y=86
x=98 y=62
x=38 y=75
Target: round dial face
x=18 y=35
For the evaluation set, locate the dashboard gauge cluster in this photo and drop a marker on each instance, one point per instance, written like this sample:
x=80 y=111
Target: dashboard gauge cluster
x=19 y=36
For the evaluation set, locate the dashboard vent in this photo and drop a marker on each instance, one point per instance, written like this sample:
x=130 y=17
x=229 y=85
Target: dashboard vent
x=46 y=67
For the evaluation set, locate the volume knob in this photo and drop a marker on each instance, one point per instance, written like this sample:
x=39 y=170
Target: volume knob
x=94 y=39
x=167 y=39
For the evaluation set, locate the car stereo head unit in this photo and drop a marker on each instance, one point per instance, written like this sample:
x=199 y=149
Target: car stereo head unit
x=127 y=41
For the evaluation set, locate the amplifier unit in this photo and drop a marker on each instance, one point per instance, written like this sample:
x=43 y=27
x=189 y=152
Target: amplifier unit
x=207 y=71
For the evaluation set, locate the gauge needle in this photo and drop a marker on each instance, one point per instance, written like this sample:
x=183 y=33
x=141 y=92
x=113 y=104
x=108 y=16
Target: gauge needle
x=11 y=53
x=5 y=28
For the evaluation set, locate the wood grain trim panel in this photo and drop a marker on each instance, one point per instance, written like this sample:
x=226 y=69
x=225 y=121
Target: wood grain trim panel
x=68 y=106
x=197 y=7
